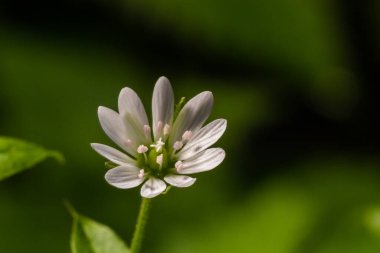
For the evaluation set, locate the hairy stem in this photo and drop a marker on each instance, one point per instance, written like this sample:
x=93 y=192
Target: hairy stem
x=140 y=226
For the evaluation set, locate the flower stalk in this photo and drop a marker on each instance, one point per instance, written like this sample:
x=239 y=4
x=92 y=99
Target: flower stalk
x=140 y=225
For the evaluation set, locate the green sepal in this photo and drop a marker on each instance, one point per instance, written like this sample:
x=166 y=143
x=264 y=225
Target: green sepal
x=110 y=165
x=178 y=107
x=167 y=189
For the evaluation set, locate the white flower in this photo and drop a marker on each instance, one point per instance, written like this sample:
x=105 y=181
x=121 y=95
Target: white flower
x=167 y=152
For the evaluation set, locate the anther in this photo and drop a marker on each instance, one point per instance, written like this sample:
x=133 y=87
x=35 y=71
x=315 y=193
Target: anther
x=166 y=129
x=179 y=166
x=141 y=173
x=147 y=130
x=159 y=127
x=178 y=145
x=159 y=160
x=142 y=149
x=187 y=135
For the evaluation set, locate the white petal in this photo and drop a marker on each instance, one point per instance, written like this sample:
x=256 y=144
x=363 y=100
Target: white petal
x=152 y=188
x=112 y=154
x=204 y=161
x=135 y=130
x=180 y=180
x=114 y=127
x=132 y=111
x=192 y=116
x=130 y=103
x=124 y=177
x=203 y=139
x=162 y=105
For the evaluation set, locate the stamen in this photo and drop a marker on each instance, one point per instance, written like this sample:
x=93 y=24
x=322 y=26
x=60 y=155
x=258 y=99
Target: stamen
x=159 y=127
x=141 y=173
x=159 y=160
x=142 y=149
x=178 y=145
x=147 y=130
x=187 y=135
x=179 y=166
x=158 y=145
x=166 y=129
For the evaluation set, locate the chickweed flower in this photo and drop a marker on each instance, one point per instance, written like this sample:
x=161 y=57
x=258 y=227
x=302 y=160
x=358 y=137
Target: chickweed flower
x=165 y=153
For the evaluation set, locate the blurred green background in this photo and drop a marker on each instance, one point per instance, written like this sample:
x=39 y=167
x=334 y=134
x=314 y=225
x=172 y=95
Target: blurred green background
x=296 y=80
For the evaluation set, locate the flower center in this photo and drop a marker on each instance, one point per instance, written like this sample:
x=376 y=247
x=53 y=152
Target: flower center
x=155 y=160
x=158 y=159
x=158 y=145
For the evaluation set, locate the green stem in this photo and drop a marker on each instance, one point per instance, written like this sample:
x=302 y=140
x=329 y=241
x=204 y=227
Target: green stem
x=140 y=226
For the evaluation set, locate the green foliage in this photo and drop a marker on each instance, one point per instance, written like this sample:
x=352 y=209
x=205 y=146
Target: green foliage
x=18 y=155
x=304 y=212
x=89 y=236
x=279 y=32
x=372 y=220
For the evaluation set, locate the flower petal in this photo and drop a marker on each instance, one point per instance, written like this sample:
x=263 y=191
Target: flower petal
x=162 y=105
x=130 y=103
x=203 y=161
x=112 y=154
x=132 y=111
x=203 y=139
x=124 y=177
x=179 y=180
x=152 y=188
x=192 y=116
x=135 y=130
x=114 y=127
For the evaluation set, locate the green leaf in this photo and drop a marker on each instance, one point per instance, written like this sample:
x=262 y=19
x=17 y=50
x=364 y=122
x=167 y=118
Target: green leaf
x=89 y=236
x=18 y=155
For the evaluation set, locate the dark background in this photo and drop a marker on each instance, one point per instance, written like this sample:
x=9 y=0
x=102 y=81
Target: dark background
x=296 y=80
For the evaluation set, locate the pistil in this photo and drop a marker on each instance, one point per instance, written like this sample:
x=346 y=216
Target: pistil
x=158 y=145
